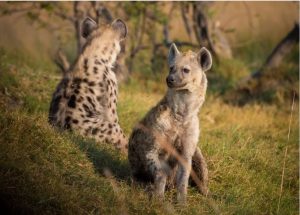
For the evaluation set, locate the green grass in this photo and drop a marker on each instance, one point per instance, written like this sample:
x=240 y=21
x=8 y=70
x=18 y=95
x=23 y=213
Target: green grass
x=44 y=171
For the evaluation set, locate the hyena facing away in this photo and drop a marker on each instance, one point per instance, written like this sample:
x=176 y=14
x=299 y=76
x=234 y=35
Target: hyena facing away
x=164 y=143
x=86 y=98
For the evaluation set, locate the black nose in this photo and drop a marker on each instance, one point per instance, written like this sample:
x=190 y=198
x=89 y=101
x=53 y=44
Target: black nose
x=170 y=79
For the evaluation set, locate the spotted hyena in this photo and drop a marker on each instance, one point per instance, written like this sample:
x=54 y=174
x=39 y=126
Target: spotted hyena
x=164 y=143
x=86 y=98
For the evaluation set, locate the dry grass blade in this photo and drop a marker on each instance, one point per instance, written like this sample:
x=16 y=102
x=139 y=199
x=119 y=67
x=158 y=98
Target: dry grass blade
x=285 y=155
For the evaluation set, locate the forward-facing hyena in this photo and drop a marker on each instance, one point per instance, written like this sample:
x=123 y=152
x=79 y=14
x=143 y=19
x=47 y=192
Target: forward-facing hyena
x=164 y=143
x=86 y=98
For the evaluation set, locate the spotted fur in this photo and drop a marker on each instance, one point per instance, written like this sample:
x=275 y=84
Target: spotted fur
x=86 y=98
x=164 y=144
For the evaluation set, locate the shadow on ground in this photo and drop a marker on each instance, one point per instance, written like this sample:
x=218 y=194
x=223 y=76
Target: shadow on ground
x=105 y=159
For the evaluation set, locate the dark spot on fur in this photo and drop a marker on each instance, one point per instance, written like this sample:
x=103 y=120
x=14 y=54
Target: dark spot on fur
x=98 y=62
x=113 y=111
x=91 y=83
x=95 y=131
x=102 y=61
x=91 y=91
x=87 y=110
x=77 y=81
x=103 y=131
x=86 y=120
x=67 y=122
x=95 y=70
x=85 y=65
x=104 y=77
x=76 y=91
x=75 y=121
x=109 y=132
x=72 y=102
x=110 y=125
x=80 y=99
x=90 y=101
x=100 y=84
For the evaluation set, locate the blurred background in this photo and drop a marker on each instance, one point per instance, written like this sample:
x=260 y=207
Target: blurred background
x=249 y=121
x=243 y=37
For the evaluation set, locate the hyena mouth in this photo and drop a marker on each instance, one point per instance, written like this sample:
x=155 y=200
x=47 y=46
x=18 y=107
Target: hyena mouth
x=176 y=86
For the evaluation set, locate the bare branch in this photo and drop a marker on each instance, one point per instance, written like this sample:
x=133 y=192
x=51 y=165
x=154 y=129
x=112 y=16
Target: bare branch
x=167 y=25
x=184 y=10
x=61 y=61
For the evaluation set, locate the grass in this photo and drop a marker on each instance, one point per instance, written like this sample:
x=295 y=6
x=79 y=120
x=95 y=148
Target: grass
x=44 y=171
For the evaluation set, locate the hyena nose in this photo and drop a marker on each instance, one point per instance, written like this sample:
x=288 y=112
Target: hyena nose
x=170 y=79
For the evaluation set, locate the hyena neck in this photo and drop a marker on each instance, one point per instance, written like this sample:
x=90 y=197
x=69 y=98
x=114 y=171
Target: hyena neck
x=186 y=104
x=97 y=55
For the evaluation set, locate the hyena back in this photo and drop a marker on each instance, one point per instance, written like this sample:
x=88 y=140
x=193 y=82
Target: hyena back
x=86 y=98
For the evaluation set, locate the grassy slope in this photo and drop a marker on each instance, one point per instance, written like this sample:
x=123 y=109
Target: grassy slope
x=49 y=172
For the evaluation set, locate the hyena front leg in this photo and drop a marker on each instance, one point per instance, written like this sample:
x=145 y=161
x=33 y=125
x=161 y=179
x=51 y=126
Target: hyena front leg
x=182 y=177
x=158 y=173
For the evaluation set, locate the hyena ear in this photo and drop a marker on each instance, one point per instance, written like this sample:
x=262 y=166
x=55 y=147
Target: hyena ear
x=120 y=26
x=204 y=59
x=173 y=53
x=88 y=25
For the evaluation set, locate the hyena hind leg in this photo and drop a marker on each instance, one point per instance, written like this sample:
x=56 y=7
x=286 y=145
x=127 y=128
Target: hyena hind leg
x=199 y=167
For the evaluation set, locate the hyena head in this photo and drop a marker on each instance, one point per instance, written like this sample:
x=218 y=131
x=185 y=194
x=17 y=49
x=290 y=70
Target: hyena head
x=187 y=69
x=104 y=37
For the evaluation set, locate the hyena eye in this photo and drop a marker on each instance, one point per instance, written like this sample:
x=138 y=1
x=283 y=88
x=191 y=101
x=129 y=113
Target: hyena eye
x=185 y=70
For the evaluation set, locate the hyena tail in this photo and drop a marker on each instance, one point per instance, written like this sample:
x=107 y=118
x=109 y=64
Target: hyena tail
x=200 y=176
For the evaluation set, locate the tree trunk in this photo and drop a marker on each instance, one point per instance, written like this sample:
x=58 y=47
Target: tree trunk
x=281 y=50
x=201 y=27
x=263 y=80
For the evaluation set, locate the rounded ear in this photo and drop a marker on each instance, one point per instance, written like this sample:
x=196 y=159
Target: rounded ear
x=204 y=59
x=120 y=26
x=173 y=53
x=88 y=25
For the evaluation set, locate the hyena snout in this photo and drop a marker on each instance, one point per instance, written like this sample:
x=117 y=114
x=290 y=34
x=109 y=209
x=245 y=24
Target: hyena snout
x=174 y=82
x=170 y=81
